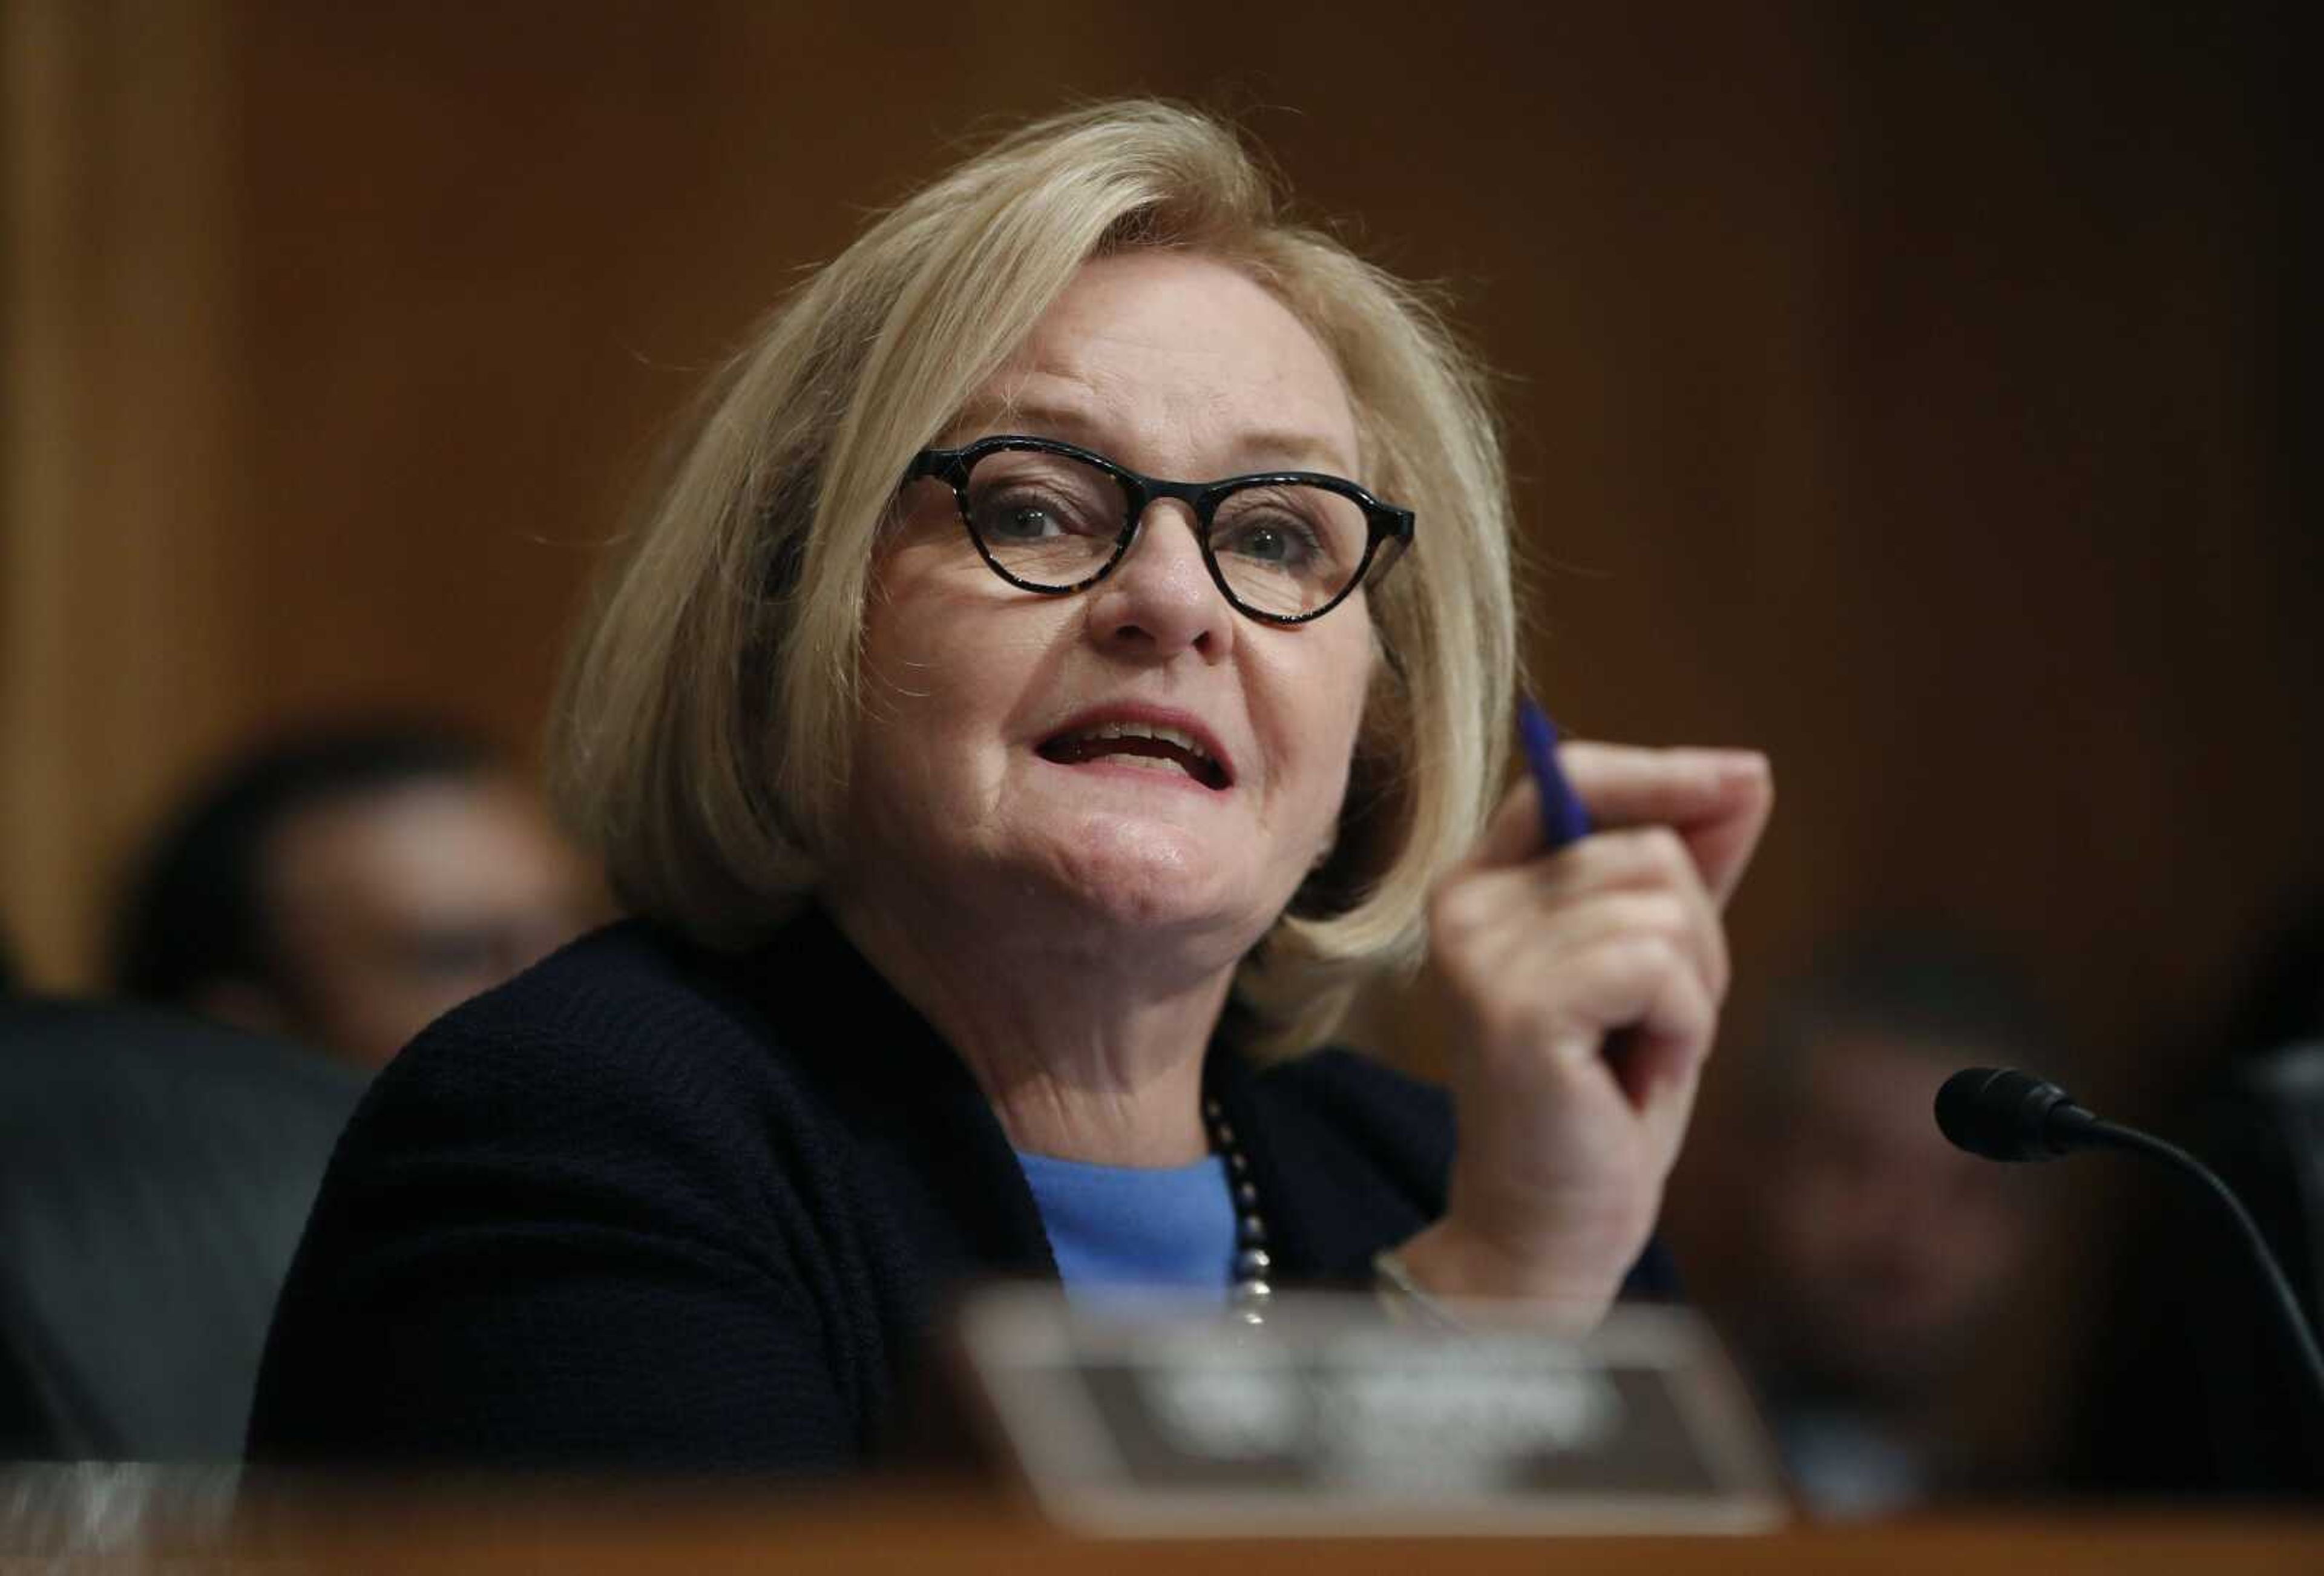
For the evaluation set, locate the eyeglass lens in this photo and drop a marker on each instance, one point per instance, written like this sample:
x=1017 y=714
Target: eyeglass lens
x=1052 y=521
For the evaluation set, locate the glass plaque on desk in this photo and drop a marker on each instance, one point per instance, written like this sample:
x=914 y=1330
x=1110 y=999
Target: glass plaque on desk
x=1148 y=1420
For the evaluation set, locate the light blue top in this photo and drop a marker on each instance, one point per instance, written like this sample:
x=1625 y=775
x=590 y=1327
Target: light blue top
x=1118 y=1228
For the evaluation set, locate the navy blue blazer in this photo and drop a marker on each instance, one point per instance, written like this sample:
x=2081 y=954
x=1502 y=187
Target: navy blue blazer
x=653 y=1207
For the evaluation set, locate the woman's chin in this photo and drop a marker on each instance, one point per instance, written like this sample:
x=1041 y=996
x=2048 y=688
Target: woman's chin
x=1153 y=876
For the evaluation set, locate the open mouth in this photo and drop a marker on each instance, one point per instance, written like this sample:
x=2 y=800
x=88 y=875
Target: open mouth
x=1151 y=746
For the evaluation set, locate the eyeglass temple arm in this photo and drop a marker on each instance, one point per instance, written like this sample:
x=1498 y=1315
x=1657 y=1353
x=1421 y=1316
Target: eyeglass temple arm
x=942 y=464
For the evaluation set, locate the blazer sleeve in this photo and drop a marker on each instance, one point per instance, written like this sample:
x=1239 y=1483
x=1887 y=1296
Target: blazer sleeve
x=537 y=1255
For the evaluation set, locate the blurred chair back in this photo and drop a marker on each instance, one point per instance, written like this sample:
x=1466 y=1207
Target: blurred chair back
x=155 y=1173
x=2287 y=1091
x=2265 y=1135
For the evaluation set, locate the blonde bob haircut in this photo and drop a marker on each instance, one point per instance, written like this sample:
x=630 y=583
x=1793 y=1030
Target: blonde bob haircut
x=707 y=720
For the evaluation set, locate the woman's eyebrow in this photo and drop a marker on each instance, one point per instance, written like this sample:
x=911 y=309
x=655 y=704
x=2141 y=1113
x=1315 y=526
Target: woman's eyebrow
x=1290 y=450
x=1263 y=449
x=1034 y=417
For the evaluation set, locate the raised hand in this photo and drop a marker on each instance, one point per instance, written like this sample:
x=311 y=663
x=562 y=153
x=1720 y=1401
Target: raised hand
x=1582 y=990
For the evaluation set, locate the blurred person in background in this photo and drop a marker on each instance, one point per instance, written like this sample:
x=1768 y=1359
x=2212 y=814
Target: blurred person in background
x=344 y=886
x=1880 y=1255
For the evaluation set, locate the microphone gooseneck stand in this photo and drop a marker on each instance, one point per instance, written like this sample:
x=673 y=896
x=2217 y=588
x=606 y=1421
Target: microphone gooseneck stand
x=2003 y=1114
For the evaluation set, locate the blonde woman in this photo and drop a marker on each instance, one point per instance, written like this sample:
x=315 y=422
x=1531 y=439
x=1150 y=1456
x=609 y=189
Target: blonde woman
x=1073 y=650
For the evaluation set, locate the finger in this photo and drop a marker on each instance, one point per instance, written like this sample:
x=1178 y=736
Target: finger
x=1662 y=1058
x=1664 y=1089
x=1624 y=979
x=1717 y=800
x=1642 y=881
x=1652 y=1068
x=1657 y=1057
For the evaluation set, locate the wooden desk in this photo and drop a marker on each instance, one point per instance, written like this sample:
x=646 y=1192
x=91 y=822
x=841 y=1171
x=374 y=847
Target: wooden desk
x=576 y=1530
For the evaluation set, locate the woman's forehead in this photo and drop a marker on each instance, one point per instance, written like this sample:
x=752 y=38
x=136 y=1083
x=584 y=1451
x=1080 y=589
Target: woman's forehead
x=1175 y=355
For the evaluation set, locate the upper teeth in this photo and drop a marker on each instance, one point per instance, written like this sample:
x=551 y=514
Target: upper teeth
x=1182 y=740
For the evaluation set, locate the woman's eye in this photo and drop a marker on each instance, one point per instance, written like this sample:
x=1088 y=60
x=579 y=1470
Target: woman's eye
x=1283 y=543
x=1024 y=523
x=1028 y=518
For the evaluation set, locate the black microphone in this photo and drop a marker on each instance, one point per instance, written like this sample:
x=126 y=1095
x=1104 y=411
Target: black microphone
x=2003 y=1114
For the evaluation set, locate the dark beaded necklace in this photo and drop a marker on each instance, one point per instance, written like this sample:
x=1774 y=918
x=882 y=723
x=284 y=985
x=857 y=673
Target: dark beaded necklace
x=1250 y=1294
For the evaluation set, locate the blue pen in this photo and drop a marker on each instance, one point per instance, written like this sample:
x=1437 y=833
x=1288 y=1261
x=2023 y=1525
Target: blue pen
x=1563 y=818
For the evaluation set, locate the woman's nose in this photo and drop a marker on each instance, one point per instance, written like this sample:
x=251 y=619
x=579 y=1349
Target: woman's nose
x=1160 y=599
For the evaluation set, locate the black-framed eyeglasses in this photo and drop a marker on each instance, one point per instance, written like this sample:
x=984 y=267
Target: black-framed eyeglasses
x=1285 y=547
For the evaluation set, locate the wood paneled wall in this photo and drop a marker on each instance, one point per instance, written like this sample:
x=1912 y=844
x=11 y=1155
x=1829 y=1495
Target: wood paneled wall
x=1902 y=394
x=122 y=599
x=1916 y=393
